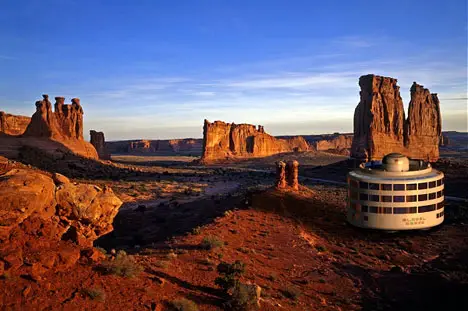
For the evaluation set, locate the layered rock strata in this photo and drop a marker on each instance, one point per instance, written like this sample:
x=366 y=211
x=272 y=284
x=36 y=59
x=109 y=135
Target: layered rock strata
x=64 y=126
x=380 y=126
x=13 y=125
x=228 y=140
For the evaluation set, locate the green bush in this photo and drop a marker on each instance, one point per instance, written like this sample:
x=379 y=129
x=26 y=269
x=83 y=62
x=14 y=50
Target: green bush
x=229 y=274
x=183 y=304
x=95 y=294
x=321 y=248
x=211 y=242
x=244 y=298
x=122 y=265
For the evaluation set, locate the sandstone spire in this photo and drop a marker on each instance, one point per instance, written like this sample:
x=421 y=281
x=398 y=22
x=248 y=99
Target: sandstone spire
x=380 y=126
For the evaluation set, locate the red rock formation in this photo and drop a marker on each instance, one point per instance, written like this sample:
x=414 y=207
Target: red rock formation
x=69 y=117
x=142 y=146
x=98 y=141
x=185 y=145
x=424 y=124
x=13 y=125
x=228 y=140
x=46 y=222
x=292 y=174
x=339 y=142
x=65 y=125
x=280 y=175
x=380 y=126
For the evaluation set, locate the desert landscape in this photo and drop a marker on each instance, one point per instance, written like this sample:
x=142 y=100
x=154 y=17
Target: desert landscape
x=199 y=156
x=194 y=224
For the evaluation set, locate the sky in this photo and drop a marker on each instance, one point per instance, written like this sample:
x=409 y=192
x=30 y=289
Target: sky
x=157 y=69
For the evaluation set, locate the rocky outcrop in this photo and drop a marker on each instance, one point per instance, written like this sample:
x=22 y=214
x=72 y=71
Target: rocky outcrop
x=99 y=142
x=292 y=174
x=339 y=142
x=380 y=126
x=65 y=125
x=287 y=174
x=172 y=146
x=423 y=131
x=142 y=146
x=45 y=222
x=185 y=145
x=13 y=125
x=280 y=175
x=228 y=140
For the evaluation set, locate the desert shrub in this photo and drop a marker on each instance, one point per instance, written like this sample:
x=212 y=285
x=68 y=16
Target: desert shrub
x=272 y=277
x=171 y=255
x=321 y=248
x=211 y=242
x=183 y=304
x=206 y=262
x=196 y=230
x=122 y=265
x=94 y=293
x=161 y=264
x=291 y=293
x=229 y=274
x=243 y=298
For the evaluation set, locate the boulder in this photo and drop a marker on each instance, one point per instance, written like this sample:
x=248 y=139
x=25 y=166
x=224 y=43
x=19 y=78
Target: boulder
x=87 y=210
x=60 y=179
x=44 y=225
x=23 y=194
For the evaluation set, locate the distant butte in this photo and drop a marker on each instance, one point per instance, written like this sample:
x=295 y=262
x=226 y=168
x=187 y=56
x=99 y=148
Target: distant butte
x=228 y=140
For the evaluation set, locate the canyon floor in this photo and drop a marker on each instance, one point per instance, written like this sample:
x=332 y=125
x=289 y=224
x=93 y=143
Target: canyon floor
x=181 y=219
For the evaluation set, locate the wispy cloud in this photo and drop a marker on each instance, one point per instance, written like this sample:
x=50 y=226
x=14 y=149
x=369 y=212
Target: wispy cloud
x=6 y=57
x=354 y=42
x=293 y=94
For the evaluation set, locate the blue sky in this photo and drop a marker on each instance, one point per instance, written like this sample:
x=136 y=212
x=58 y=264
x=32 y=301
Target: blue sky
x=156 y=69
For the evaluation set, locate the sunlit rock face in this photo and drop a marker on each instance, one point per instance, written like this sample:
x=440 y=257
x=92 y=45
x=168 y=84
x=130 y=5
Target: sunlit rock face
x=228 y=140
x=380 y=126
x=340 y=142
x=50 y=219
x=65 y=125
x=12 y=124
x=424 y=124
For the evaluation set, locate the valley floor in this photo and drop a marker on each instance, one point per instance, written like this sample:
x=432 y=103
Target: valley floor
x=180 y=220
